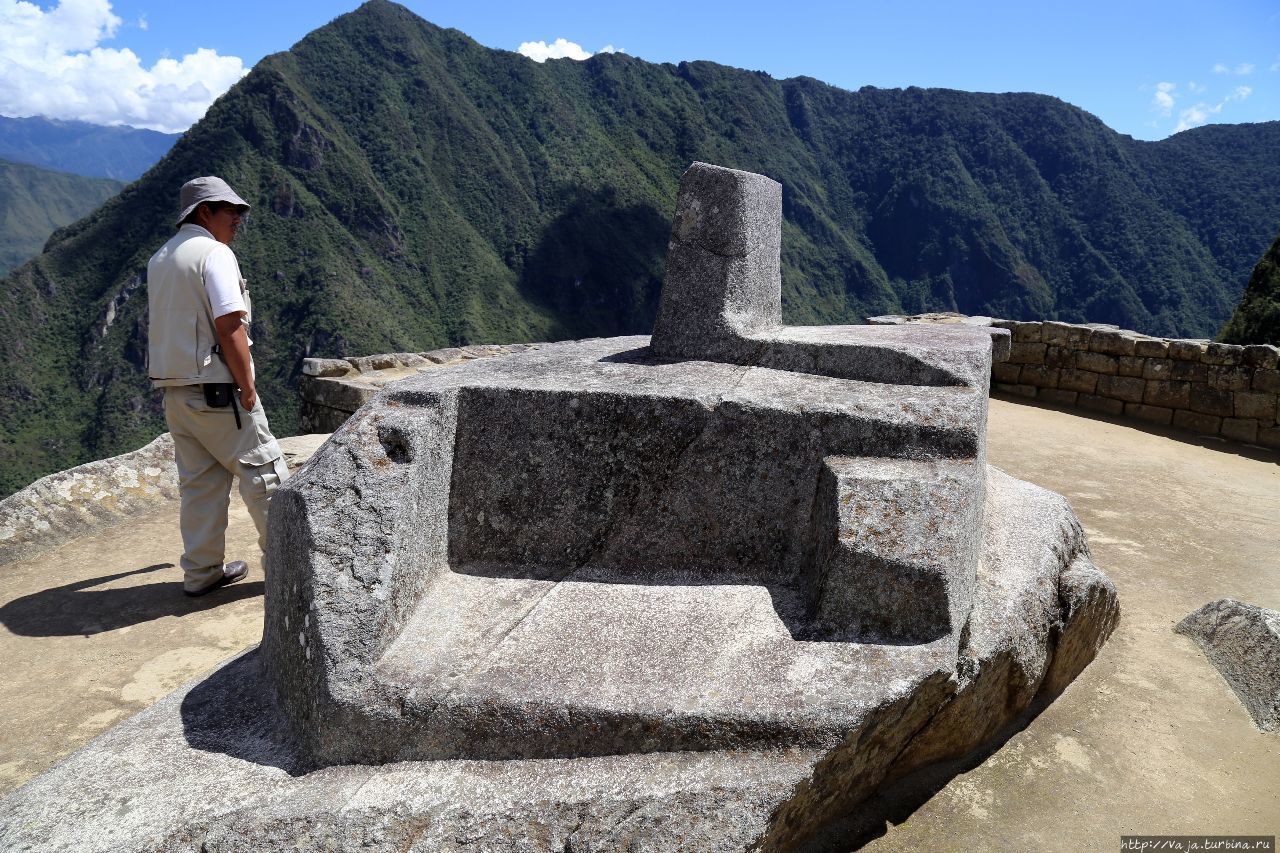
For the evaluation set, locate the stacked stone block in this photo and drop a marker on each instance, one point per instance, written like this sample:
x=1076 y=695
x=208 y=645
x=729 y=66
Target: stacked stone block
x=1205 y=387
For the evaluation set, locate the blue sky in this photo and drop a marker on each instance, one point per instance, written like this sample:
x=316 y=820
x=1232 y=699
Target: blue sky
x=1144 y=68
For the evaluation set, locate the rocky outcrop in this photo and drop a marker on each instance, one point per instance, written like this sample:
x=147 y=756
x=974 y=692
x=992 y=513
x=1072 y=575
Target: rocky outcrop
x=1243 y=643
x=130 y=789
x=58 y=508
x=61 y=506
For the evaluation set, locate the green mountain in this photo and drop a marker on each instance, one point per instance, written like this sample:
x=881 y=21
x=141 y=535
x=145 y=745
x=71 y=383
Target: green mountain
x=1257 y=318
x=92 y=150
x=35 y=202
x=414 y=189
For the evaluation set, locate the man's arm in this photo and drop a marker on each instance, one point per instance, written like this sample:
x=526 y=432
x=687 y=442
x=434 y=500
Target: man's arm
x=234 y=341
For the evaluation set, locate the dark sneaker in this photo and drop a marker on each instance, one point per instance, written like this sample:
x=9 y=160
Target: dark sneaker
x=231 y=572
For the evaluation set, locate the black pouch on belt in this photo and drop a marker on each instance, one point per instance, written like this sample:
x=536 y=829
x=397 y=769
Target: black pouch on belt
x=219 y=394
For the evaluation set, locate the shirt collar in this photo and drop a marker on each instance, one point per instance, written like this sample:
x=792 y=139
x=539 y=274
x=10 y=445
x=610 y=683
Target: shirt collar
x=199 y=229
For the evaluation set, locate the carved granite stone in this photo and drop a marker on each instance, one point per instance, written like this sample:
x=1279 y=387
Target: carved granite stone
x=707 y=590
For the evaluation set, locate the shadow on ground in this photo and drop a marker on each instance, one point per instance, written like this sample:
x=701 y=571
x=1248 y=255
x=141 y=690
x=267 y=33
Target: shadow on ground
x=77 y=609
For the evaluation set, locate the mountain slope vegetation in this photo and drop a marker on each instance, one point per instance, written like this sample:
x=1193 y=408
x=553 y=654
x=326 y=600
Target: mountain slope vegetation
x=36 y=202
x=414 y=189
x=1257 y=318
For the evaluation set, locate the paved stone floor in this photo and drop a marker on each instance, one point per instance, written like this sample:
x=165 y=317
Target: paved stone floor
x=1149 y=740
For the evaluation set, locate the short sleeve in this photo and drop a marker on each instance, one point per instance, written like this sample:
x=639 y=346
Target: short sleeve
x=222 y=282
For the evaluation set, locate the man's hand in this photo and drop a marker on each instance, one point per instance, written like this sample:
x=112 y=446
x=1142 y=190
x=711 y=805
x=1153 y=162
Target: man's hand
x=234 y=341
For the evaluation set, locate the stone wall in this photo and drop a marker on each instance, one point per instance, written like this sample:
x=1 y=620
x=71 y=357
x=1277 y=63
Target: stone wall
x=1207 y=388
x=1196 y=385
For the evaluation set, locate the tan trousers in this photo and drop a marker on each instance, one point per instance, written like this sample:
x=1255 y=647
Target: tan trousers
x=209 y=451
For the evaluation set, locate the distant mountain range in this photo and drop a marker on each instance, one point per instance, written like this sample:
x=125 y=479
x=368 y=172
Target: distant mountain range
x=35 y=202
x=52 y=173
x=92 y=150
x=414 y=189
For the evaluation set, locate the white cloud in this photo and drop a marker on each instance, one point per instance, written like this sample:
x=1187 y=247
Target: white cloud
x=540 y=51
x=142 y=22
x=1196 y=87
x=1242 y=69
x=1164 y=97
x=51 y=64
x=1195 y=116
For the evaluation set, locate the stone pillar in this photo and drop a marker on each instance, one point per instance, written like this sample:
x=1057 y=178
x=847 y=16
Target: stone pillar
x=723 y=275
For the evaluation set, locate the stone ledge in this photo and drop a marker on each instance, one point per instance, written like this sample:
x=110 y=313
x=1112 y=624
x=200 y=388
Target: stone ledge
x=1003 y=340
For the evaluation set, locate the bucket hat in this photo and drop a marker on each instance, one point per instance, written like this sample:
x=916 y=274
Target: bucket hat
x=208 y=188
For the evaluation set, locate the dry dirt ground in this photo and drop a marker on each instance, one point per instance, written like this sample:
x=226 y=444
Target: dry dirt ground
x=1149 y=740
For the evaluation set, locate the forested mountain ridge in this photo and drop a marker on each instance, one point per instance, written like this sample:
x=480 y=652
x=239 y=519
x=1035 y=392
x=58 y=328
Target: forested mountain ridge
x=414 y=189
x=35 y=202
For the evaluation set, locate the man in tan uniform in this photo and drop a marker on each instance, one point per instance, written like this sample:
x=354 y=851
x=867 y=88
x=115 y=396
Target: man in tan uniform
x=198 y=352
